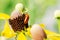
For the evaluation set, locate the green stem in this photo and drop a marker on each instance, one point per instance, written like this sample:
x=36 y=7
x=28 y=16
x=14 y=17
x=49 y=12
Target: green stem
x=58 y=21
x=16 y=37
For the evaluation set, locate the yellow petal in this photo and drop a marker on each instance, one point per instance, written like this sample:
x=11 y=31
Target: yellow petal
x=21 y=36
x=52 y=35
x=28 y=32
x=42 y=25
x=50 y=32
x=7 y=32
x=4 y=16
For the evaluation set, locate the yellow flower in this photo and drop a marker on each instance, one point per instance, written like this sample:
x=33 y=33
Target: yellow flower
x=7 y=31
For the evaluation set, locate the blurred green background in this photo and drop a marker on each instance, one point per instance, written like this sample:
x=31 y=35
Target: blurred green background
x=40 y=11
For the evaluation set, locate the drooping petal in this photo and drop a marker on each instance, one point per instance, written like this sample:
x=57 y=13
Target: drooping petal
x=4 y=16
x=7 y=31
